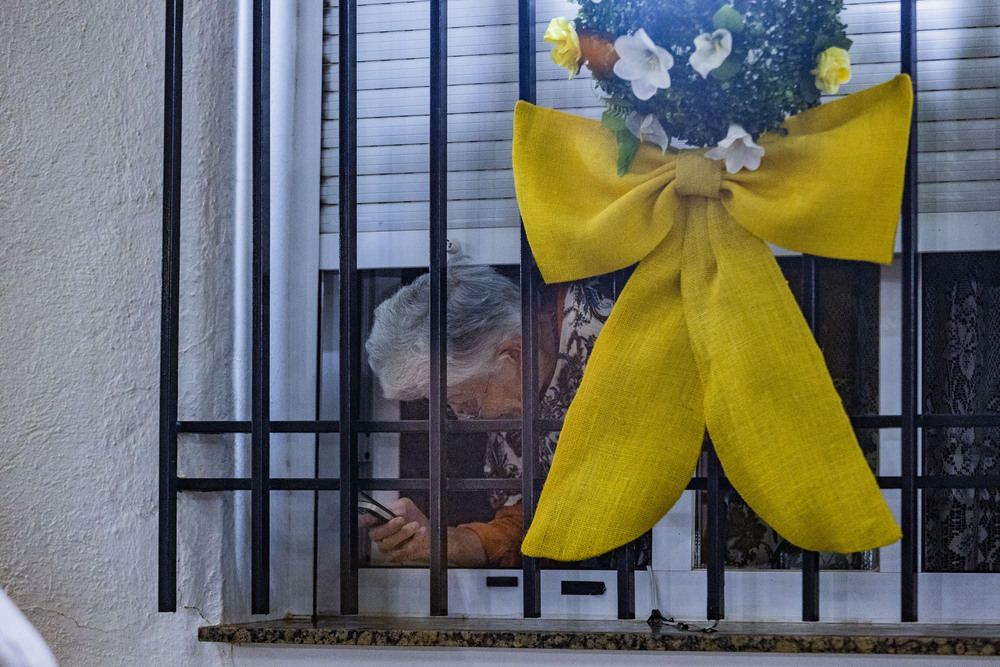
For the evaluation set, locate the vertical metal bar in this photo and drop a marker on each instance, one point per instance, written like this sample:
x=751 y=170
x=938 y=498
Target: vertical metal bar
x=810 y=559
x=350 y=306
x=716 y=607
x=170 y=306
x=625 y=562
x=908 y=458
x=532 y=603
x=317 y=470
x=526 y=50
x=260 y=431
x=438 y=302
x=529 y=329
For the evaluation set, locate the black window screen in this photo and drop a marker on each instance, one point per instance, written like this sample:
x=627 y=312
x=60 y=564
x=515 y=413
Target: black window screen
x=947 y=421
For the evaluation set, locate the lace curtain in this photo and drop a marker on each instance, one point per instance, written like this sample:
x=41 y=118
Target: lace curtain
x=961 y=375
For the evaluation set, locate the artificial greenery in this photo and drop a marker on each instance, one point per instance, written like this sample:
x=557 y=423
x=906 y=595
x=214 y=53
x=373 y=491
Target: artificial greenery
x=766 y=77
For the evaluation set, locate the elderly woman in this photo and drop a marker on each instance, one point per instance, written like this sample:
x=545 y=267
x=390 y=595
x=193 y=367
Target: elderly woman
x=484 y=382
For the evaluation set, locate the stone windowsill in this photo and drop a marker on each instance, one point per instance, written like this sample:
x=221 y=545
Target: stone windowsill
x=846 y=638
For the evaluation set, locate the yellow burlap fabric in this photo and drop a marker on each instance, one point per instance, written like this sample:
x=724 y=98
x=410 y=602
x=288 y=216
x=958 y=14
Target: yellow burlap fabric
x=706 y=331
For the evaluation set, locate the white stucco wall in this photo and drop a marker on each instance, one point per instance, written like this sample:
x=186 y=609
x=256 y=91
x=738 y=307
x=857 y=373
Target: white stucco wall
x=80 y=205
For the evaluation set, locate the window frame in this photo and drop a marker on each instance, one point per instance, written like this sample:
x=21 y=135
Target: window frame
x=261 y=426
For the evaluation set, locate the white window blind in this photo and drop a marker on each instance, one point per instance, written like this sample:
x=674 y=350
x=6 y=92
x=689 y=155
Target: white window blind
x=959 y=98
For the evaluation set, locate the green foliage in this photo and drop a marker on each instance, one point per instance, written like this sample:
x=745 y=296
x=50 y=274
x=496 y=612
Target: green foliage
x=613 y=120
x=728 y=18
x=628 y=143
x=628 y=146
x=765 y=79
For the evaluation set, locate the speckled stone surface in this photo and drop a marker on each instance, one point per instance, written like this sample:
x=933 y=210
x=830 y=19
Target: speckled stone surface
x=907 y=639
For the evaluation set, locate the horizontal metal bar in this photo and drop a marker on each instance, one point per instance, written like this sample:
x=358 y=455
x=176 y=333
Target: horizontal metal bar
x=327 y=426
x=541 y=425
x=959 y=482
x=387 y=484
x=316 y=484
x=488 y=484
x=483 y=425
x=959 y=421
x=699 y=484
x=221 y=427
x=894 y=482
x=213 y=427
x=876 y=421
x=405 y=426
x=213 y=483
x=944 y=482
x=382 y=426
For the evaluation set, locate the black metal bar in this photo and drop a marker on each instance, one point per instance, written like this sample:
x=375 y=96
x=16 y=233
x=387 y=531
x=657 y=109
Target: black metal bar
x=909 y=331
x=959 y=421
x=260 y=502
x=489 y=483
x=394 y=484
x=170 y=307
x=350 y=305
x=404 y=426
x=317 y=448
x=210 y=484
x=526 y=65
x=325 y=426
x=438 y=303
x=213 y=427
x=482 y=425
x=876 y=421
x=532 y=590
x=552 y=425
x=810 y=559
x=625 y=564
x=959 y=482
x=699 y=484
x=716 y=606
x=485 y=484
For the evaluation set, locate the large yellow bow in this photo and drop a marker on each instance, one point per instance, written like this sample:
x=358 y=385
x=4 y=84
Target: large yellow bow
x=706 y=331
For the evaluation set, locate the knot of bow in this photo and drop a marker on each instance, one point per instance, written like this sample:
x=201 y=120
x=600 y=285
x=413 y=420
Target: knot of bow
x=706 y=333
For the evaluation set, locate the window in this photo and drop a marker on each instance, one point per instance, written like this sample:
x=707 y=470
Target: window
x=927 y=317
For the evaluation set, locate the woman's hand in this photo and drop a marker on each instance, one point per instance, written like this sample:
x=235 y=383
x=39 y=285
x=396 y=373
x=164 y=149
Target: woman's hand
x=406 y=538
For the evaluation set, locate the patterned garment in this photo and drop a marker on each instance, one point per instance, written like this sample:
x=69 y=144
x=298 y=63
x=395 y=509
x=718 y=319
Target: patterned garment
x=585 y=309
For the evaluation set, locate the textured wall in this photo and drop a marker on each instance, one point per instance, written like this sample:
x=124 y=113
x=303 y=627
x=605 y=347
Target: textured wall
x=80 y=187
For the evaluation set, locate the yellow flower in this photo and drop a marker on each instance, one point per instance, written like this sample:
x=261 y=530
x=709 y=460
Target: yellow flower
x=566 y=49
x=832 y=69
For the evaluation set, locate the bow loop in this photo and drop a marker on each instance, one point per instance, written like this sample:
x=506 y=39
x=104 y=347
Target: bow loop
x=697 y=175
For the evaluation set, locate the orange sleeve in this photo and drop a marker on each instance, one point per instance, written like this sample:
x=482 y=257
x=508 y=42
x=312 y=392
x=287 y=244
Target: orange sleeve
x=502 y=536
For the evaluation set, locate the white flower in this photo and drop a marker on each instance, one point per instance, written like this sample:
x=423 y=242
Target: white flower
x=738 y=149
x=710 y=51
x=647 y=128
x=643 y=63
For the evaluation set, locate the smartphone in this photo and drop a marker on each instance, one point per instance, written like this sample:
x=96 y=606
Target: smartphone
x=372 y=507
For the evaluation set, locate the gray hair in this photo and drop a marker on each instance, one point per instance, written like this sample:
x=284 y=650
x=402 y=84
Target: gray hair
x=483 y=310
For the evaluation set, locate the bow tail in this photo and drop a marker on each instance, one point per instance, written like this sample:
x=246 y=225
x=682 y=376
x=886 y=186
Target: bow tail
x=632 y=435
x=771 y=408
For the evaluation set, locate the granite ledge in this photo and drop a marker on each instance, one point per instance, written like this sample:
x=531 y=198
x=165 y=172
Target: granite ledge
x=845 y=638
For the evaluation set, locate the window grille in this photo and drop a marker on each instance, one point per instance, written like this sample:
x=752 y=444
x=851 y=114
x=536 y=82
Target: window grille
x=935 y=182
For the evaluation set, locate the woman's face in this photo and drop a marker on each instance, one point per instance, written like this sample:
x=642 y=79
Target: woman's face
x=495 y=395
